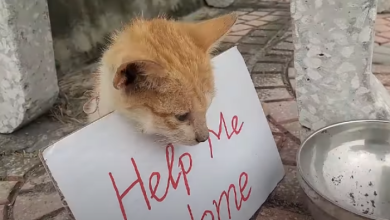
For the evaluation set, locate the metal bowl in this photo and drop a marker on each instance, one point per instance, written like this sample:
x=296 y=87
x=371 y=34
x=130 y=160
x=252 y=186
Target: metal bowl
x=344 y=170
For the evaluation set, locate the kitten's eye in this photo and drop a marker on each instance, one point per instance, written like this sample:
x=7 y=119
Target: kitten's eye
x=182 y=117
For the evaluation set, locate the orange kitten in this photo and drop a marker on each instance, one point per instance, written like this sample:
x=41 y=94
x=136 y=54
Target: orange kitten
x=158 y=74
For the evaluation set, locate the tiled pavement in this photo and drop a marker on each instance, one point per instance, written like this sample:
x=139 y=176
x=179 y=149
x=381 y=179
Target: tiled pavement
x=264 y=38
x=382 y=40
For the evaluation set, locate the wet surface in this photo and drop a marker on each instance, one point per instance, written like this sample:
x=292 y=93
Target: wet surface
x=350 y=166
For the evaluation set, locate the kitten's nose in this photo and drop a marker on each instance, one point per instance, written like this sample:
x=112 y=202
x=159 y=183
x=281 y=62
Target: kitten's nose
x=202 y=138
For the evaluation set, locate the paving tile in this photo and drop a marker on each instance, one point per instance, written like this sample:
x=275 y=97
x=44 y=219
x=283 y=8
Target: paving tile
x=277 y=139
x=246 y=57
x=381 y=69
x=34 y=205
x=273 y=127
x=241 y=12
x=231 y=39
x=249 y=17
x=254 y=40
x=284 y=46
x=288 y=192
x=259 y=13
x=63 y=216
x=246 y=10
x=273 y=94
x=384 y=79
x=2 y=212
x=293 y=127
x=385 y=34
x=39 y=177
x=249 y=48
x=288 y=151
x=280 y=52
x=291 y=72
x=240 y=33
x=381 y=40
x=263 y=33
x=282 y=13
x=5 y=190
x=381 y=21
x=289 y=40
x=279 y=214
x=272 y=26
x=15 y=166
x=293 y=83
x=381 y=28
x=256 y=23
x=270 y=18
x=268 y=68
x=224 y=46
x=240 y=27
x=274 y=59
x=283 y=111
x=261 y=80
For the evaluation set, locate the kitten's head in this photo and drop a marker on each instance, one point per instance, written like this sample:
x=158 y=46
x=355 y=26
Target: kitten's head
x=163 y=77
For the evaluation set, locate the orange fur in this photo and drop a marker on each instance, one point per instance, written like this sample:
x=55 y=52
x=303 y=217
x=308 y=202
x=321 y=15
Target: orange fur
x=158 y=74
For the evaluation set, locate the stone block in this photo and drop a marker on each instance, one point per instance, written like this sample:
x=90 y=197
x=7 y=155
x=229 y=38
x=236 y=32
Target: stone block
x=254 y=40
x=249 y=48
x=294 y=128
x=267 y=80
x=263 y=33
x=283 y=111
x=280 y=52
x=28 y=81
x=64 y=215
x=5 y=190
x=284 y=46
x=15 y=167
x=268 y=68
x=38 y=178
x=288 y=149
x=2 y=207
x=35 y=205
x=273 y=95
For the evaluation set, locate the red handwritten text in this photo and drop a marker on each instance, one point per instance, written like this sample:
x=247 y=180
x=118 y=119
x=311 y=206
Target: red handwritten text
x=173 y=181
x=224 y=194
x=236 y=130
x=153 y=188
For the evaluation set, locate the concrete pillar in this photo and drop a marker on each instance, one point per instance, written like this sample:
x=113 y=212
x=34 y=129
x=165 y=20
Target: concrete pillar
x=333 y=54
x=28 y=81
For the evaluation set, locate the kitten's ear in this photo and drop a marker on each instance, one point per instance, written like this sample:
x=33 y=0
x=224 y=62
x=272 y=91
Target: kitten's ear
x=207 y=34
x=138 y=74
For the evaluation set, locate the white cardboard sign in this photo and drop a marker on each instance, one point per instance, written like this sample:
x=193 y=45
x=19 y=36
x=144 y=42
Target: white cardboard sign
x=106 y=171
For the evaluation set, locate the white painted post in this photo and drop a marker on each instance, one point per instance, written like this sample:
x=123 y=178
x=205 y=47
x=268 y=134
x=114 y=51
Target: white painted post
x=333 y=54
x=28 y=80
